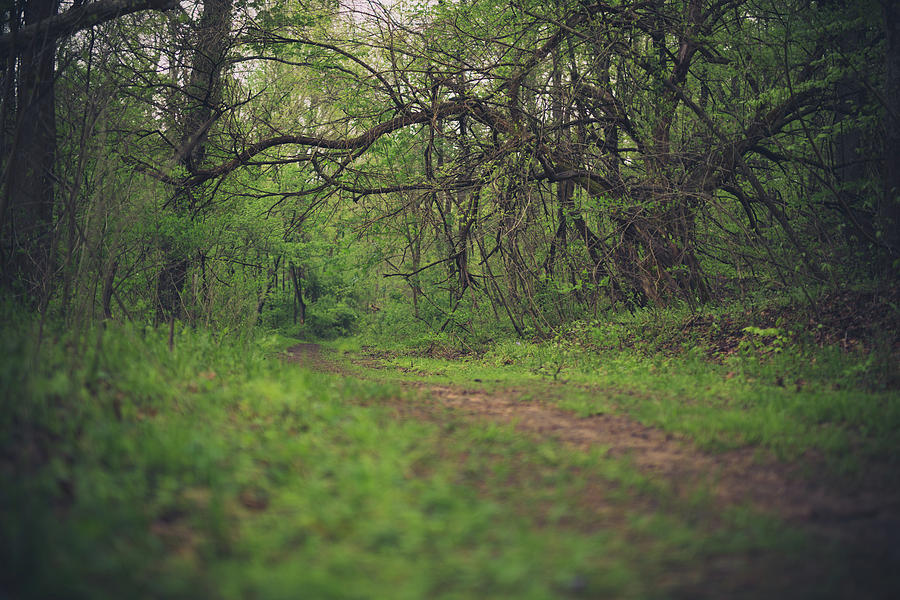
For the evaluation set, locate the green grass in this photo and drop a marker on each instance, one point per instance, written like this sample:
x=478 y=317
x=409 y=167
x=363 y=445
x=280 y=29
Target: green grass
x=216 y=470
x=780 y=393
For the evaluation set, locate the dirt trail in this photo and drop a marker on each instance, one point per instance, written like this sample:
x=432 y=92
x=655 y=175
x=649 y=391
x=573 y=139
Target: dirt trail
x=867 y=514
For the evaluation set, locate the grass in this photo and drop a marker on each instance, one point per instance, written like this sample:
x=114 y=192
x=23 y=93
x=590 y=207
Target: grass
x=714 y=378
x=216 y=470
x=719 y=407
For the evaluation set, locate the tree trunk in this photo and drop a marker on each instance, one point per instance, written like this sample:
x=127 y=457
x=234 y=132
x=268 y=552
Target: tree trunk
x=29 y=191
x=296 y=274
x=204 y=93
x=890 y=212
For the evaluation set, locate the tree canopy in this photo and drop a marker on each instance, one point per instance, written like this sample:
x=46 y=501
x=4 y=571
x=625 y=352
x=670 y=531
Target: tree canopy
x=540 y=159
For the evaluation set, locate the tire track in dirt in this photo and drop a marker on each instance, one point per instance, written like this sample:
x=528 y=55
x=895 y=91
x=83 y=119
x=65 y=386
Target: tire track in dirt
x=866 y=514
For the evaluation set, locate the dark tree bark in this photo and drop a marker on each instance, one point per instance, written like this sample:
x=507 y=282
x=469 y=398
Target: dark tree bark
x=890 y=212
x=27 y=212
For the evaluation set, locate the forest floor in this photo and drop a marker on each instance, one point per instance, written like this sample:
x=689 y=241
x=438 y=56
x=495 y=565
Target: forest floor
x=206 y=465
x=860 y=515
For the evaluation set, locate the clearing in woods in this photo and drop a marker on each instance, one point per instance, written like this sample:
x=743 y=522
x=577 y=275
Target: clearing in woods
x=862 y=518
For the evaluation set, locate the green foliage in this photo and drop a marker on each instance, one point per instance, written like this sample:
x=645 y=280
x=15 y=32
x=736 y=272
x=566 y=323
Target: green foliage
x=764 y=339
x=330 y=319
x=536 y=260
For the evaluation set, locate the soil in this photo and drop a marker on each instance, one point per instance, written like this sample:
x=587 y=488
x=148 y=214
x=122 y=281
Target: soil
x=863 y=514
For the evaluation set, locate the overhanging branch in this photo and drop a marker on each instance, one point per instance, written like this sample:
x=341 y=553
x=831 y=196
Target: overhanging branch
x=76 y=19
x=363 y=140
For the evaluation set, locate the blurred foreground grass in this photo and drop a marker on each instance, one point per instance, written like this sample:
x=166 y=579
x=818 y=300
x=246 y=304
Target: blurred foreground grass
x=216 y=470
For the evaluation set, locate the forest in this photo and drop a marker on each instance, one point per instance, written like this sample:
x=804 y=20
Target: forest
x=449 y=299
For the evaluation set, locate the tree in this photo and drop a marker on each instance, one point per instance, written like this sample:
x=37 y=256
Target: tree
x=32 y=32
x=202 y=108
x=541 y=158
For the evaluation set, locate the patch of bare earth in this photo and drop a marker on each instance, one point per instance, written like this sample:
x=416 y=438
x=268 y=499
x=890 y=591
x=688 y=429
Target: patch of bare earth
x=864 y=516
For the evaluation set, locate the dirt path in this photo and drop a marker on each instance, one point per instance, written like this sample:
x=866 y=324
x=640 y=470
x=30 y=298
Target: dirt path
x=867 y=514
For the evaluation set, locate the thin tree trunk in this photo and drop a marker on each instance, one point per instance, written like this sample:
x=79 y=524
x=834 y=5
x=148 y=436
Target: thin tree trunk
x=296 y=275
